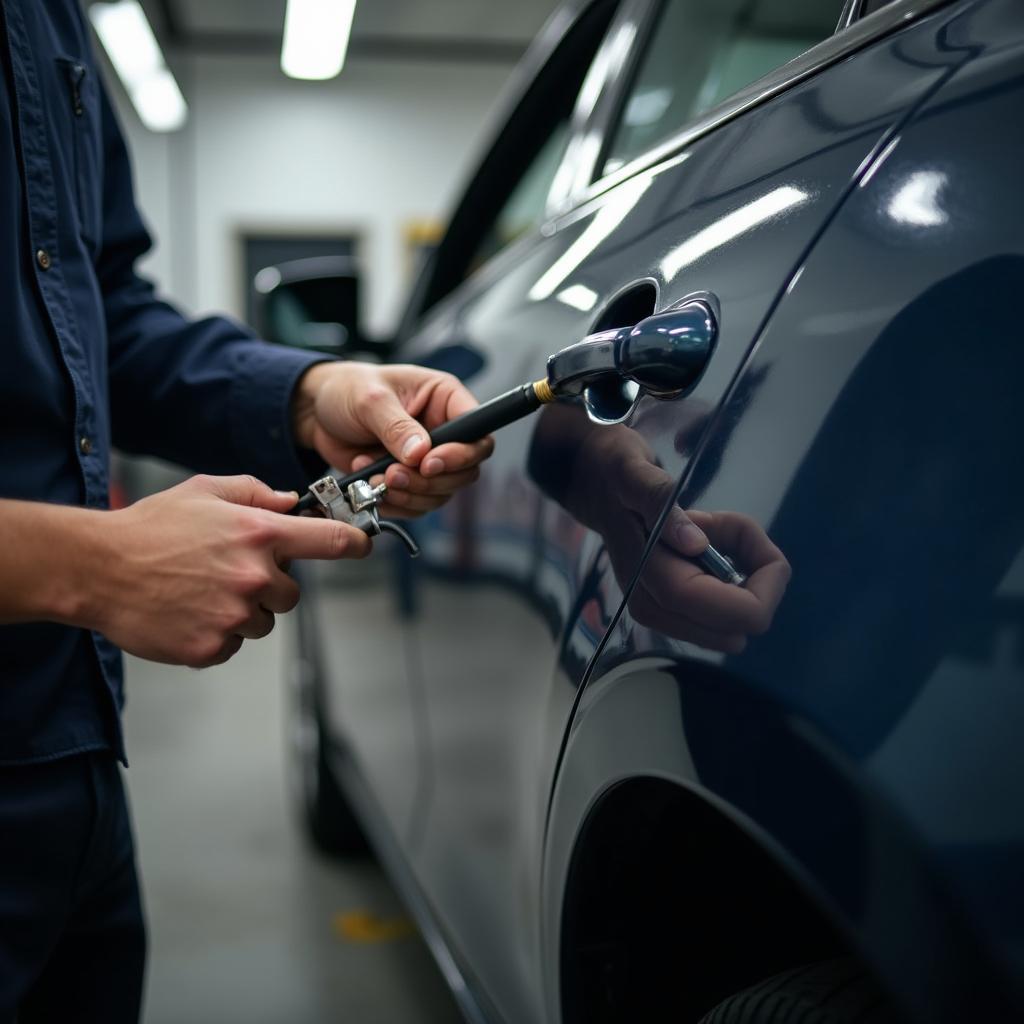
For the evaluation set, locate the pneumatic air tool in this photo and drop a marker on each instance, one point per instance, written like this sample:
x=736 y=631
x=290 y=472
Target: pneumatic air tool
x=663 y=356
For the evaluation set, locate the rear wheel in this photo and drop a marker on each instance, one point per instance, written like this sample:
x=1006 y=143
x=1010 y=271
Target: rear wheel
x=832 y=992
x=324 y=808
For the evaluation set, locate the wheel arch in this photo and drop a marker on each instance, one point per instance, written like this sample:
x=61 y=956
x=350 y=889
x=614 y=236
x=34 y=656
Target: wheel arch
x=670 y=907
x=661 y=886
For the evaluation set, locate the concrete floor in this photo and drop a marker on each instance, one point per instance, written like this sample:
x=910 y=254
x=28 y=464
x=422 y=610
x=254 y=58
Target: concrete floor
x=244 y=917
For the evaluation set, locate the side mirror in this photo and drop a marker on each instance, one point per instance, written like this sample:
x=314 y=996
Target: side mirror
x=310 y=304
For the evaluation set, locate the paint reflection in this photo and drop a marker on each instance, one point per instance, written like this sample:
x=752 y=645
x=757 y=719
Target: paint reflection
x=608 y=479
x=731 y=226
x=916 y=201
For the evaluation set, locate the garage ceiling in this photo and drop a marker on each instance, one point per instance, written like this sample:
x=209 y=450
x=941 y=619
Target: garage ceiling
x=472 y=29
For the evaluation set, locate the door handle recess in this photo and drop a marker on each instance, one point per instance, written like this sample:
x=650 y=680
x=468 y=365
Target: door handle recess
x=664 y=355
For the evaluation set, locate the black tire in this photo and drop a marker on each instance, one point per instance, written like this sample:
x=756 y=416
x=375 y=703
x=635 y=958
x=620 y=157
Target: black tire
x=831 y=992
x=325 y=811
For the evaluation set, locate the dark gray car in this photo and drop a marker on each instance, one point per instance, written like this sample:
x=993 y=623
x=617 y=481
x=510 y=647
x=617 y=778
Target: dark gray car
x=606 y=793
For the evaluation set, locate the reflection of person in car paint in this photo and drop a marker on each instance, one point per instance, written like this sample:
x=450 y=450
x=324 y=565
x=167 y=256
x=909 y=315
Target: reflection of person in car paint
x=607 y=478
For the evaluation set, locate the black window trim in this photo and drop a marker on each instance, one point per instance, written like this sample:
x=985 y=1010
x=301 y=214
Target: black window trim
x=639 y=17
x=850 y=36
x=851 y=12
x=563 y=24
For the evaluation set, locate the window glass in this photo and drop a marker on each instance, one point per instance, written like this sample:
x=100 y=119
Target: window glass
x=702 y=51
x=523 y=210
x=508 y=196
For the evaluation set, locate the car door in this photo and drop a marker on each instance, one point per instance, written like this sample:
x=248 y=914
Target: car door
x=874 y=432
x=681 y=186
x=690 y=189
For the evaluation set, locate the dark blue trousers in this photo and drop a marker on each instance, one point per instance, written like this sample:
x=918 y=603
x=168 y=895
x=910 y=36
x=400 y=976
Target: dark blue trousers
x=72 y=935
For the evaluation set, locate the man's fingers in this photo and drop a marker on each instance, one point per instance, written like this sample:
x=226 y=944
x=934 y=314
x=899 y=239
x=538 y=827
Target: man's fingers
x=227 y=650
x=448 y=398
x=311 y=537
x=769 y=584
x=361 y=462
x=383 y=413
x=258 y=625
x=245 y=490
x=281 y=594
x=645 y=489
x=402 y=480
x=722 y=607
x=454 y=457
x=648 y=611
x=683 y=535
x=739 y=537
x=707 y=601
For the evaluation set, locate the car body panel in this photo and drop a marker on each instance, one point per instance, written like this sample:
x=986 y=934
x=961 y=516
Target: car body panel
x=377 y=692
x=886 y=699
x=499 y=701
x=512 y=624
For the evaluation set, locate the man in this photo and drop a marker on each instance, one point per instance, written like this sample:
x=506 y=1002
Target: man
x=89 y=356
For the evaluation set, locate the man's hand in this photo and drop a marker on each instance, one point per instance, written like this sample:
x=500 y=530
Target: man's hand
x=617 y=489
x=673 y=594
x=676 y=597
x=184 y=576
x=348 y=411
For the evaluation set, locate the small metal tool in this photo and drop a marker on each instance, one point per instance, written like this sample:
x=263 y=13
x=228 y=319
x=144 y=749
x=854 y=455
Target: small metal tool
x=357 y=504
x=664 y=356
x=714 y=563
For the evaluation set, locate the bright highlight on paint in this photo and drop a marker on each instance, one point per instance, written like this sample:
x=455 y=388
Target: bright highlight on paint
x=917 y=200
x=316 y=37
x=132 y=48
x=731 y=226
x=579 y=297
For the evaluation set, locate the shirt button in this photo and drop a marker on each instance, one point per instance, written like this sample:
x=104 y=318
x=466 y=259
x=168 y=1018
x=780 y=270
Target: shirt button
x=43 y=259
x=84 y=445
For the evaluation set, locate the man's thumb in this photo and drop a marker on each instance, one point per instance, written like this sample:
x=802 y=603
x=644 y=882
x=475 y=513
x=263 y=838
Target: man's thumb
x=397 y=430
x=247 y=490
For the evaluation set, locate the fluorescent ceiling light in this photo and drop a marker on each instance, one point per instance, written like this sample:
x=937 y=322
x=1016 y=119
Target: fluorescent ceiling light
x=139 y=63
x=316 y=37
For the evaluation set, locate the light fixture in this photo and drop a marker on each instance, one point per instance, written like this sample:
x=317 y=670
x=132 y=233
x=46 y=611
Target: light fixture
x=133 y=50
x=316 y=37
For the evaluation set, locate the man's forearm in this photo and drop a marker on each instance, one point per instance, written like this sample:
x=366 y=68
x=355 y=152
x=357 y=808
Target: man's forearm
x=48 y=556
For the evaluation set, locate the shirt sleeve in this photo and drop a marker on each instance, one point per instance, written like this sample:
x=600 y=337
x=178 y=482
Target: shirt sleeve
x=203 y=393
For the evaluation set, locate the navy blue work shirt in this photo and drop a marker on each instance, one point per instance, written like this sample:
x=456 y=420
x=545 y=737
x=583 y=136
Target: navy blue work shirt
x=89 y=357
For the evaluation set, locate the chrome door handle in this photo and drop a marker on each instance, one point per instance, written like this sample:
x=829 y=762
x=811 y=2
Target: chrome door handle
x=664 y=355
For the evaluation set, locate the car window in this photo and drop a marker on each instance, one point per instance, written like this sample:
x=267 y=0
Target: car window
x=702 y=51
x=508 y=194
x=524 y=207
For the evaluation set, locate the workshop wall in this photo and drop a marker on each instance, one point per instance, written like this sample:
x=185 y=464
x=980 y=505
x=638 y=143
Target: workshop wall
x=386 y=143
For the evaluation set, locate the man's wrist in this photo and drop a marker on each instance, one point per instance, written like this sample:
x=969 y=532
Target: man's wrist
x=303 y=409
x=73 y=594
x=55 y=562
